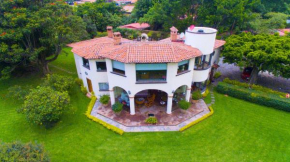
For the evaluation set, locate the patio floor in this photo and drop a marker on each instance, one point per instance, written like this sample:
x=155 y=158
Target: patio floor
x=163 y=118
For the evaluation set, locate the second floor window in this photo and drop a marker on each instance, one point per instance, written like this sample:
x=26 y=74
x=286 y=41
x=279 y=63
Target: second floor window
x=86 y=63
x=118 y=67
x=101 y=66
x=151 y=72
x=183 y=66
x=203 y=62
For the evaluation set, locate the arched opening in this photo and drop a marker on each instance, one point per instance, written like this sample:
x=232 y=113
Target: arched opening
x=121 y=96
x=151 y=101
x=179 y=94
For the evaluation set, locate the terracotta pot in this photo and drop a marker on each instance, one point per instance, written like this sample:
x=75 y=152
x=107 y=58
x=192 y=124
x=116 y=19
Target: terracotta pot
x=118 y=113
x=194 y=101
x=106 y=105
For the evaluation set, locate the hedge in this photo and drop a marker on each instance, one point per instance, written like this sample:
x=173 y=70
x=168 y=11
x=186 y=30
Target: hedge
x=254 y=86
x=108 y=126
x=198 y=120
x=255 y=96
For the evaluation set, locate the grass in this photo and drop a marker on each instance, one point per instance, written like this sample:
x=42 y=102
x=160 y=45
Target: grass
x=237 y=131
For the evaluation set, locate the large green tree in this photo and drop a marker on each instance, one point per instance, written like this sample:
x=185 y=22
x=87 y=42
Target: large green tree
x=263 y=52
x=99 y=15
x=142 y=7
x=34 y=32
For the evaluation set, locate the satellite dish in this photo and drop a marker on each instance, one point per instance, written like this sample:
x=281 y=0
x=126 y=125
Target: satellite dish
x=181 y=35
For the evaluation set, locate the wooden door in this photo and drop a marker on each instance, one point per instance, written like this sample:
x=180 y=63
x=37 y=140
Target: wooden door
x=90 y=86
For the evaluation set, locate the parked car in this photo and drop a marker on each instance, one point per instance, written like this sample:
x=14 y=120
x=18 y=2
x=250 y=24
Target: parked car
x=247 y=73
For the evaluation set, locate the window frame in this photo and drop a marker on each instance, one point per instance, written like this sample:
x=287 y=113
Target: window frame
x=101 y=86
x=98 y=62
x=86 y=61
x=118 y=71
x=185 y=70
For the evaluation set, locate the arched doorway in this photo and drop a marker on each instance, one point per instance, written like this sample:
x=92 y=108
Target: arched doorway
x=121 y=96
x=179 y=94
x=151 y=101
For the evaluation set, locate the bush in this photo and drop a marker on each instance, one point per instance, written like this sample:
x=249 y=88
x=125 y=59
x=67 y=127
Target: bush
x=105 y=99
x=44 y=106
x=184 y=104
x=117 y=107
x=217 y=75
x=255 y=87
x=255 y=96
x=151 y=120
x=58 y=82
x=196 y=95
x=84 y=90
x=17 y=151
x=205 y=93
x=79 y=81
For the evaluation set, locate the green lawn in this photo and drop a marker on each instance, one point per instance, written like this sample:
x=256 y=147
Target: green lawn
x=237 y=131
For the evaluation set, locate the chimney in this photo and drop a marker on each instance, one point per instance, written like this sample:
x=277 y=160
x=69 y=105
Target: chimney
x=117 y=38
x=110 y=31
x=173 y=34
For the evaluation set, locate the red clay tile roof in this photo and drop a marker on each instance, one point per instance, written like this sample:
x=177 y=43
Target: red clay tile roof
x=282 y=31
x=136 y=26
x=219 y=43
x=134 y=52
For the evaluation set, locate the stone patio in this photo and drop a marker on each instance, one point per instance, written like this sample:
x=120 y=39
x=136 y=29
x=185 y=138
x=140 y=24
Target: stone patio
x=166 y=122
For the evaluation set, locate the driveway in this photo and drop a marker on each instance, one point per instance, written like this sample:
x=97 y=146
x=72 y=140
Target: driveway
x=264 y=79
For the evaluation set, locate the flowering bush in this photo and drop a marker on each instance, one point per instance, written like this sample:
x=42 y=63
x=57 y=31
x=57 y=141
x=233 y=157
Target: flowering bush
x=151 y=120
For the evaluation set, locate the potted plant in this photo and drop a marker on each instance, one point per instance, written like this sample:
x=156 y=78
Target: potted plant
x=117 y=108
x=196 y=95
x=105 y=100
x=151 y=120
x=183 y=105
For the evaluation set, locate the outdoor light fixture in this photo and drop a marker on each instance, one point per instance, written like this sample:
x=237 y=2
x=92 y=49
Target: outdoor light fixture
x=129 y=92
x=173 y=91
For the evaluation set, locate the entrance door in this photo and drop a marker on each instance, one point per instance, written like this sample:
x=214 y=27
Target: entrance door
x=90 y=86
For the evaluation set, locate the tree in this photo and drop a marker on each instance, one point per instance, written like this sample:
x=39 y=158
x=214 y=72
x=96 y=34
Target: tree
x=269 y=23
x=58 y=82
x=17 y=151
x=141 y=8
x=44 y=106
x=34 y=32
x=99 y=15
x=263 y=52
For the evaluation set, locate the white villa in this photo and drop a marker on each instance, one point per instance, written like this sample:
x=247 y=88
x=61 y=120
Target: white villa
x=170 y=68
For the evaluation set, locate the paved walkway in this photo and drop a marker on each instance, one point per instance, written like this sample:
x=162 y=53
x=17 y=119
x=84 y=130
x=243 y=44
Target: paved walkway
x=146 y=128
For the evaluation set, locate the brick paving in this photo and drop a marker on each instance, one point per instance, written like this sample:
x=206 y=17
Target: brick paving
x=201 y=110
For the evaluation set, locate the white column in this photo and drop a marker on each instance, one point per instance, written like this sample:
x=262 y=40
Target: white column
x=132 y=106
x=188 y=94
x=112 y=97
x=169 y=104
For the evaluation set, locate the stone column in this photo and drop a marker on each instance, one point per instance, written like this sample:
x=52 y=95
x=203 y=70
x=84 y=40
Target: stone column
x=112 y=97
x=169 y=104
x=188 y=94
x=132 y=105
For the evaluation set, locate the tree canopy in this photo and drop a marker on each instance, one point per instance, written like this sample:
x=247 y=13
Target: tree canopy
x=34 y=32
x=263 y=52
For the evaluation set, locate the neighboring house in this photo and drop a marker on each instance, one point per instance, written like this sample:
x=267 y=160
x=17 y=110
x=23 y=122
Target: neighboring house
x=282 y=32
x=169 y=68
x=128 y=9
x=136 y=26
x=124 y=2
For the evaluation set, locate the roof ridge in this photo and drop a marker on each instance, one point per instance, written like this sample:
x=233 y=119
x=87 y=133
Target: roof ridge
x=173 y=50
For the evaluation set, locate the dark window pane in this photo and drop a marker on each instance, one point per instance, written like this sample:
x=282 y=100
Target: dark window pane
x=101 y=66
x=86 y=63
x=151 y=76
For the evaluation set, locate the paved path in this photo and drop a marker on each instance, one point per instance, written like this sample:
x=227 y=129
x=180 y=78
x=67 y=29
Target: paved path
x=145 y=128
x=264 y=79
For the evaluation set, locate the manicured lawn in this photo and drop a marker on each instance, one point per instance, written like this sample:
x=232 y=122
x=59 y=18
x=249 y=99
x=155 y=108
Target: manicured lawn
x=237 y=131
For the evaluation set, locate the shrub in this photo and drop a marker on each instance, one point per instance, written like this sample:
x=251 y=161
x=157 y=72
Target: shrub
x=184 y=104
x=217 y=75
x=205 y=93
x=151 y=120
x=255 y=87
x=84 y=90
x=17 y=151
x=58 y=82
x=196 y=95
x=105 y=99
x=44 y=106
x=79 y=81
x=117 y=107
x=255 y=96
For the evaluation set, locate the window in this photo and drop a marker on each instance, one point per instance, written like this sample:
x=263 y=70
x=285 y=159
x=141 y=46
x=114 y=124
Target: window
x=203 y=62
x=104 y=86
x=151 y=73
x=118 y=67
x=183 y=66
x=86 y=63
x=101 y=66
x=200 y=85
